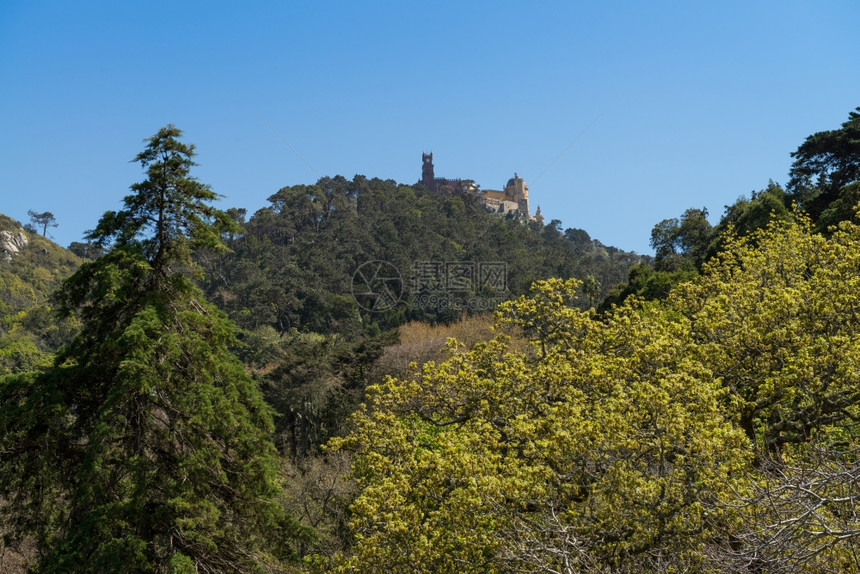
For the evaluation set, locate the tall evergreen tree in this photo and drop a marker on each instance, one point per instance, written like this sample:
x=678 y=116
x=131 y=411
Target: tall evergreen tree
x=147 y=447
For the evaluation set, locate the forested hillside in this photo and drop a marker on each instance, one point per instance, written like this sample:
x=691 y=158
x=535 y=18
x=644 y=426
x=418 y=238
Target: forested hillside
x=31 y=269
x=292 y=282
x=715 y=432
x=286 y=276
x=293 y=266
x=366 y=376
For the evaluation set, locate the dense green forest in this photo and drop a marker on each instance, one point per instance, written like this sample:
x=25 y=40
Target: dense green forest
x=290 y=282
x=365 y=376
x=292 y=265
x=28 y=278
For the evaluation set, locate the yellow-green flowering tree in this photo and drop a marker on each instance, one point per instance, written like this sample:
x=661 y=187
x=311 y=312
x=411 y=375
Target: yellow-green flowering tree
x=776 y=318
x=777 y=323
x=715 y=431
x=603 y=446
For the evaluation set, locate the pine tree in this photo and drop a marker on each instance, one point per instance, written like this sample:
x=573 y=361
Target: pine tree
x=147 y=447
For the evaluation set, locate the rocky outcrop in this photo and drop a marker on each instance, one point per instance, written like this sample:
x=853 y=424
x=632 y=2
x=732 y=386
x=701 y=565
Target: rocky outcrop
x=11 y=242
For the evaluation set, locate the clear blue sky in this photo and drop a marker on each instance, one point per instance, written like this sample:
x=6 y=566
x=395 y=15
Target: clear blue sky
x=696 y=103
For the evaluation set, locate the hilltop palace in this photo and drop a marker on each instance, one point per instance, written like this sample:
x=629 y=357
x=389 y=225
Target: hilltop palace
x=514 y=199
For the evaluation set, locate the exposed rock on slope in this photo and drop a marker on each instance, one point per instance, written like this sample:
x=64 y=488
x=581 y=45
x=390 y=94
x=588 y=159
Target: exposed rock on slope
x=11 y=242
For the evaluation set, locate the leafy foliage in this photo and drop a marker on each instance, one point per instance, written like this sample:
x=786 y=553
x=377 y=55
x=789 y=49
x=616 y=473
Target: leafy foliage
x=777 y=323
x=713 y=431
x=168 y=215
x=706 y=420
x=748 y=215
x=29 y=331
x=289 y=284
x=294 y=263
x=682 y=243
x=605 y=446
x=147 y=447
x=825 y=173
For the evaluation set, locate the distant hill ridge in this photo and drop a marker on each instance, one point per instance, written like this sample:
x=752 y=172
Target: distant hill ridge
x=31 y=268
x=294 y=266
